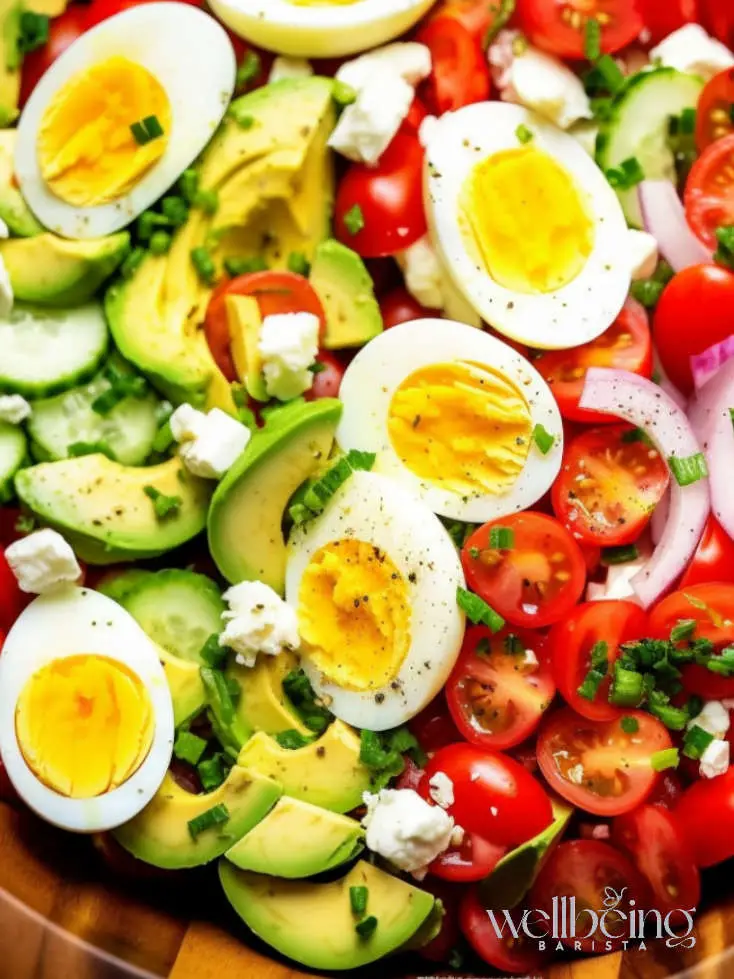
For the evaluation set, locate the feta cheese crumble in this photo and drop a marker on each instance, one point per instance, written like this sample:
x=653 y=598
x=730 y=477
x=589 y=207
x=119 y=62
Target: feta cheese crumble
x=407 y=60
x=42 y=561
x=715 y=759
x=424 y=277
x=643 y=252
x=258 y=621
x=714 y=719
x=14 y=409
x=289 y=345
x=208 y=444
x=289 y=68
x=405 y=829
x=690 y=49
x=441 y=790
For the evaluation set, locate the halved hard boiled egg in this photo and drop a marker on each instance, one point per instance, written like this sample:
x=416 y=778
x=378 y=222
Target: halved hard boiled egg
x=374 y=582
x=454 y=414
x=319 y=28
x=86 y=720
x=120 y=115
x=527 y=225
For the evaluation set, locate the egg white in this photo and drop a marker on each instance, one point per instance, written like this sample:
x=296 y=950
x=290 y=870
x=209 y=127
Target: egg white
x=70 y=622
x=378 y=511
x=327 y=31
x=378 y=370
x=578 y=312
x=191 y=56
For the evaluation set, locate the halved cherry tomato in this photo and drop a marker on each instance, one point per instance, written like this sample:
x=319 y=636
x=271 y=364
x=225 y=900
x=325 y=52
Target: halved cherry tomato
x=709 y=194
x=717 y=16
x=626 y=345
x=460 y=72
x=596 y=765
x=473 y=860
x=560 y=27
x=713 y=560
x=63 y=31
x=410 y=777
x=589 y=870
x=328 y=380
x=496 y=694
x=705 y=814
x=476 y=16
x=521 y=955
x=704 y=295
x=398 y=306
x=535 y=583
x=609 y=486
x=389 y=196
x=667 y=792
x=571 y=642
x=711 y=606
x=713 y=118
x=661 y=19
x=658 y=847
x=434 y=727
x=275 y=292
x=494 y=796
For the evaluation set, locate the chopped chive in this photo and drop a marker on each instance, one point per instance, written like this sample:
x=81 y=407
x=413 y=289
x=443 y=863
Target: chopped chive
x=153 y=127
x=636 y=435
x=696 y=741
x=212 y=653
x=318 y=367
x=248 y=70
x=523 y=134
x=599 y=656
x=292 y=739
x=354 y=220
x=298 y=263
x=133 y=262
x=160 y=243
x=478 y=611
x=175 y=209
x=619 y=555
x=543 y=439
x=592 y=682
x=300 y=514
x=662 y=760
x=236 y=266
x=148 y=222
x=216 y=816
x=206 y=200
x=358 y=900
x=723 y=664
x=245 y=122
x=211 y=773
x=204 y=264
x=610 y=72
x=688 y=121
x=502 y=538
x=627 y=689
x=189 y=747
x=474 y=552
x=34 y=31
x=343 y=94
x=672 y=717
x=688 y=470
x=683 y=629
x=25 y=524
x=647 y=292
x=513 y=644
x=630 y=725
x=188 y=184
x=627 y=175
x=592 y=39
x=76 y=449
x=163 y=438
x=146 y=130
x=218 y=694
x=366 y=928
x=163 y=505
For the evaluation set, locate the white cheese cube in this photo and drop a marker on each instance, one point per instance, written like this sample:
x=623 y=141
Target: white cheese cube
x=289 y=68
x=642 y=249
x=441 y=790
x=692 y=50
x=406 y=60
x=714 y=719
x=258 y=621
x=289 y=345
x=220 y=441
x=42 y=561
x=427 y=130
x=405 y=829
x=368 y=126
x=186 y=423
x=424 y=277
x=715 y=759
x=14 y=409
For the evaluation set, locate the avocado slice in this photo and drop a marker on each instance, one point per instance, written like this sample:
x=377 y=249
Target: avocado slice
x=314 y=924
x=52 y=271
x=10 y=60
x=103 y=509
x=245 y=322
x=515 y=874
x=14 y=211
x=326 y=773
x=246 y=515
x=262 y=705
x=347 y=294
x=325 y=840
x=160 y=834
x=187 y=690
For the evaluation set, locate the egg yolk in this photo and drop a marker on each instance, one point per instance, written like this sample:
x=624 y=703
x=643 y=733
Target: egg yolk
x=84 y=725
x=354 y=614
x=528 y=220
x=463 y=427
x=87 y=152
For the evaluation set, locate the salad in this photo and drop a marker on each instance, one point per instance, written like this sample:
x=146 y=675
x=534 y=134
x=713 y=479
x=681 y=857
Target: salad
x=366 y=399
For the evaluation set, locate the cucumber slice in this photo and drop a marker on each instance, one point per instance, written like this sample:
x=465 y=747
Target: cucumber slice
x=638 y=127
x=50 y=350
x=118 y=585
x=13 y=453
x=128 y=430
x=178 y=609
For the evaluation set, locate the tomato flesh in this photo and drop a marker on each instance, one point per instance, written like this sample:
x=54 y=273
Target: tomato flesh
x=709 y=195
x=460 y=72
x=713 y=560
x=473 y=860
x=434 y=727
x=713 y=117
x=559 y=26
x=521 y=955
x=705 y=814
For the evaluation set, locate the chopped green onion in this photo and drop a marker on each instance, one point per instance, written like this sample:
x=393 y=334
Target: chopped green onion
x=25 y=524
x=627 y=688
x=160 y=242
x=377 y=754
x=299 y=691
x=34 y=31
x=610 y=72
x=592 y=39
x=354 y=220
x=76 y=449
x=725 y=252
x=188 y=184
x=688 y=121
x=599 y=656
x=361 y=461
x=619 y=555
x=696 y=741
x=502 y=538
x=358 y=900
x=298 y=263
x=683 y=629
x=163 y=438
x=292 y=739
x=343 y=94
x=212 y=653
x=175 y=209
x=543 y=439
x=146 y=130
x=235 y=266
x=245 y=122
x=218 y=695
x=723 y=664
x=523 y=134
x=216 y=816
x=590 y=687
x=636 y=435
x=478 y=611
x=318 y=367
x=672 y=717
x=211 y=772
x=630 y=725
x=513 y=644
x=163 y=505
x=627 y=175
x=207 y=201
x=248 y=70
x=133 y=262
x=647 y=292
x=366 y=928
x=688 y=470
x=662 y=760
x=148 y=222
x=189 y=747
x=300 y=514
x=320 y=492
x=501 y=13
x=204 y=264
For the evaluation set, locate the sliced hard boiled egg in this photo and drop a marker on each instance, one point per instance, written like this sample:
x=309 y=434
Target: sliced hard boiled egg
x=86 y=721
x=373 y=581
x=453 y=413
x=319 y=28
x=120 y=115
x=527 y=225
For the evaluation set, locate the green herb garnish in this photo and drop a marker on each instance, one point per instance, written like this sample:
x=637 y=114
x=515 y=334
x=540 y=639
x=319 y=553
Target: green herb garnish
x=502 y=538
x=619 y=555
x=688 y=470
x=164 y=506
x=146 y=130
x=630 y=725
x=354 y=220
x=358 y=900
x=478 y=611
x=662 y=760
x=189 y=747
x=204 y=264
x=543 y=439
x=216 y=816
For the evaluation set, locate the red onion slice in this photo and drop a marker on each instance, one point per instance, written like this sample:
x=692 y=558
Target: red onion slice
x=665 y=219
x=645 y=405
x=706 y=364
x=710 y=416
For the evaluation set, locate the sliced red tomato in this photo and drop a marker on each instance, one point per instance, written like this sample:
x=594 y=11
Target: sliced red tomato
x=388 y=198
x=476 y=16
x=626 y=345
x=398 y=306
x=609 y=486
x=705 y=815
x=711 y=606
x=434 y=727
x=512 y=950
x=535 y=583
x=661 y=19
x=328 y=379
x=704 y=295
x=275 y=292
x=709 y=194
x=500 y=687
x=714 y=118
x=473 y=860
x=494 y=796
x=559 y=26
x=589 y=870
x=460 y=72
x=571 y=643
x=717 y=16
x=596 y=765
x=667 y=792
x=658 y=848
x=713 y=560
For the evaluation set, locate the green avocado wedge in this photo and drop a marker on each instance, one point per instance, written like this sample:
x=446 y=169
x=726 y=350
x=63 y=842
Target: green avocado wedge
x=515 y=874
x=314 y=923
x=246 y=515
x=347 y=293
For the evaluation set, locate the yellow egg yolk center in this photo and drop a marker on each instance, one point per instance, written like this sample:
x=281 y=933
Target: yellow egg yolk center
x=461 y=426
x=354 y=614
x=528 y=220
x=84 y=725
x=87 y=151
